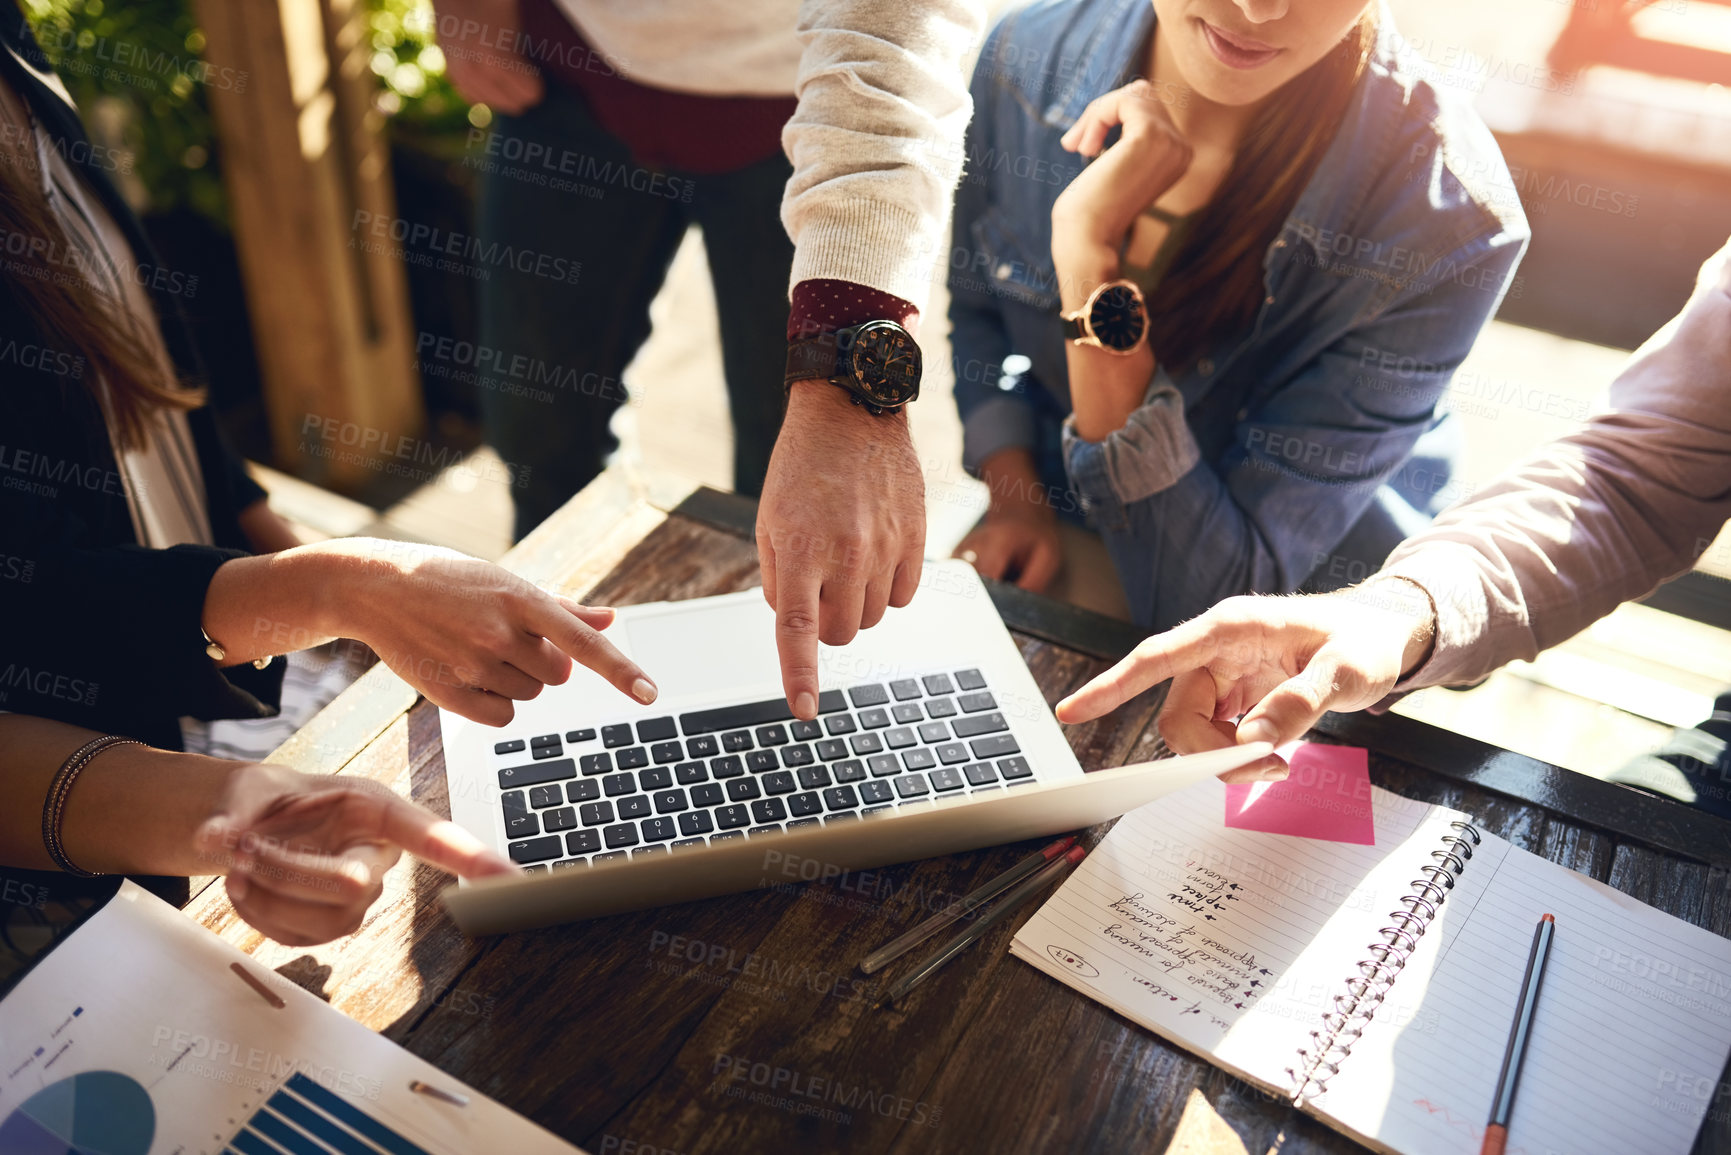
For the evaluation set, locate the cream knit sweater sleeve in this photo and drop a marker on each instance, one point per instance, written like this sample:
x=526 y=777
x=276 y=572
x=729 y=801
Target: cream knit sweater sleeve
x=876 y=144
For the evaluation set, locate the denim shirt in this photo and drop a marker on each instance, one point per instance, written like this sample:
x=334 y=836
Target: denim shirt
x=1288 y=451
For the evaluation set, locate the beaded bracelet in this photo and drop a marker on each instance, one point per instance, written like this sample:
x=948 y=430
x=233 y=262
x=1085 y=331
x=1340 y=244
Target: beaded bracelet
x=54 y=806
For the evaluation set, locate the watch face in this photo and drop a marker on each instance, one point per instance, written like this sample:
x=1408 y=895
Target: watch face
x=1117 y=318
x=886 y=363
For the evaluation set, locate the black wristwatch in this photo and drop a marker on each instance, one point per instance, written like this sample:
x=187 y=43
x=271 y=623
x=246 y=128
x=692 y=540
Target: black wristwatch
x=878 y=363
x=1113 y=318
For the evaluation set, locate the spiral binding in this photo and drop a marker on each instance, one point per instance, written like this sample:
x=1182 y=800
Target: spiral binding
x=1344 y=1025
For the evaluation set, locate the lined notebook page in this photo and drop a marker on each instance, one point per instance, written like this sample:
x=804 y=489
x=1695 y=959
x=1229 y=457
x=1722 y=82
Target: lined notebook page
x=1632 y=1031
x=1231 y=943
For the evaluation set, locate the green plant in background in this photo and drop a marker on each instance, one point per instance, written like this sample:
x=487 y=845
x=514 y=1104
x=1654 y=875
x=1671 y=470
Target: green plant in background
x=135 y=70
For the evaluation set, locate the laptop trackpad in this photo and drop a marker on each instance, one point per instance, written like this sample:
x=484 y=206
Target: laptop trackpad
x=708 y=648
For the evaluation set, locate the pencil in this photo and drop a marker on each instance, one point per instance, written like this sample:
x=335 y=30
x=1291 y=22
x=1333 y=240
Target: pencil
x=999 y=913
x=897 y=947
x=1497 y=1129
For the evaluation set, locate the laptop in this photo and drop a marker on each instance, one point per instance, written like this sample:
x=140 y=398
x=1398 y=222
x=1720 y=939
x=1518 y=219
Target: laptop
x=932 y=737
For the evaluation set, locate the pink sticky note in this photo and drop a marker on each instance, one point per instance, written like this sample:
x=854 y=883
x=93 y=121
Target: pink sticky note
x=1326 y=796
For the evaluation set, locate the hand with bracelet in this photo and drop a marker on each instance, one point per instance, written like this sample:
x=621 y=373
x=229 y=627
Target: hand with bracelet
x=304 y=855
x=1264 y=669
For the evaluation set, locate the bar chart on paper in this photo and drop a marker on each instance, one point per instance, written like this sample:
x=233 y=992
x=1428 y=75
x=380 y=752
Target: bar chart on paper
x=192 y=1049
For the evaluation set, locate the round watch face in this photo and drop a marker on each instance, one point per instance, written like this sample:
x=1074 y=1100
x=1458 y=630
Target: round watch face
x=1117 y=318
x=886 y=363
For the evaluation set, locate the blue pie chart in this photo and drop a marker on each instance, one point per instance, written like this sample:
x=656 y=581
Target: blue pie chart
x=93 y=1113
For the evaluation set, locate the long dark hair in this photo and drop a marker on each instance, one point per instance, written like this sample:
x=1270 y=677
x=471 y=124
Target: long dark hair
x=74 y=314
x=1214 y=285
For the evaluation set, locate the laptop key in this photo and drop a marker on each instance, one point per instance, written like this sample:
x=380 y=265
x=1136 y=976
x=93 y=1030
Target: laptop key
x=900 y=738
x=919 y=759
x=759 y=831
x=596 y=763
x=625 y=834
x=633 y=758
x=931 y=733
x=665 y=752
x=883 y=765
x=520 y=825
x=544 y=796
x=814 y=777
x=873 y=719
x=726 y=836
x=981 y=774
x=544 y=740
x=736 y=741
x=707 y=794
x=768 y=810
x=974 y=703
x=912 y=785
x=870 y=810
x=908 y=713
x=690 y=773
x=951 y=753
x=567 y=864
x=554 y=821
x=905 y=688
x=838 y=724
x=726 y=766
x=731 y=817
x=670 y=802
x=584 y=735
x=660 y=778
x=803 y=804
x=536 y=773
x=695 y=822
x=617 y=784
x=870 y=792
x=804 y=731
x=759 y=761
x=949 y=778
x=778 y=782
x=940 y=708
x=515 y=746
x=688 y=843
x=868 y=695
x=582 y=790
x=862 y=744
x=657 y=729
x=595 y=813
x=771 y=735
x=513 y=801
x=797 y=756
x=798 y=822
x=743 y=790
x=646 y=851
x=977 y=724
x=995 y=746
x=849 y=771
x=840 y=798
x=636 y=806
x=703 y=747
x=553 y=751
x=1014 y=768
x=938 y=684
x=610 y=856
x=657 y=829
x=536 y=849
x=619 y=735
x=753 y=714
x=970 y=680
x=830 y=749
x=583 y=842
x=841 y=816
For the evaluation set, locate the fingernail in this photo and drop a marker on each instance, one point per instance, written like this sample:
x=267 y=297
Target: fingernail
x=237 y=887
x=644 y=690
x=805 y=705
x=1276 y=773
x=1256 y=730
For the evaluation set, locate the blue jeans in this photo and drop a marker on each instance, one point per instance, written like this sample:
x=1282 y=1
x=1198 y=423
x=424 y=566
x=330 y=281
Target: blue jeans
x=582 y=335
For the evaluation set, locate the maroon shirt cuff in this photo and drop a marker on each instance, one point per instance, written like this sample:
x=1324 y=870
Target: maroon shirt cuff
x=823 y=306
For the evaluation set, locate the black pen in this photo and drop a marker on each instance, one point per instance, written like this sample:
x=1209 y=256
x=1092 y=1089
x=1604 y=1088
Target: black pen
x=1497 y=1130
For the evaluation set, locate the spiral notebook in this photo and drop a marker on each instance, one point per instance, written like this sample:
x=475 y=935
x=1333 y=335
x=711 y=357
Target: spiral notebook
x=1374 y=985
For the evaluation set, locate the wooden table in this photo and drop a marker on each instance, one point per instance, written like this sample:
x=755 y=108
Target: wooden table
x=621 y=1034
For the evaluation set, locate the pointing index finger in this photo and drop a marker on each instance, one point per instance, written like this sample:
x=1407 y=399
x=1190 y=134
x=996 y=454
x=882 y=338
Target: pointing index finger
x=796 y=626
x=1188 y=647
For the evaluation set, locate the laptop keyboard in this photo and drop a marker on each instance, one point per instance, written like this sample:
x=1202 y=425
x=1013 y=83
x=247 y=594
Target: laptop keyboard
x=595 y=793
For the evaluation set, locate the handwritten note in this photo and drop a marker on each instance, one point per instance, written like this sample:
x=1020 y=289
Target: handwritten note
x=1327 y=796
